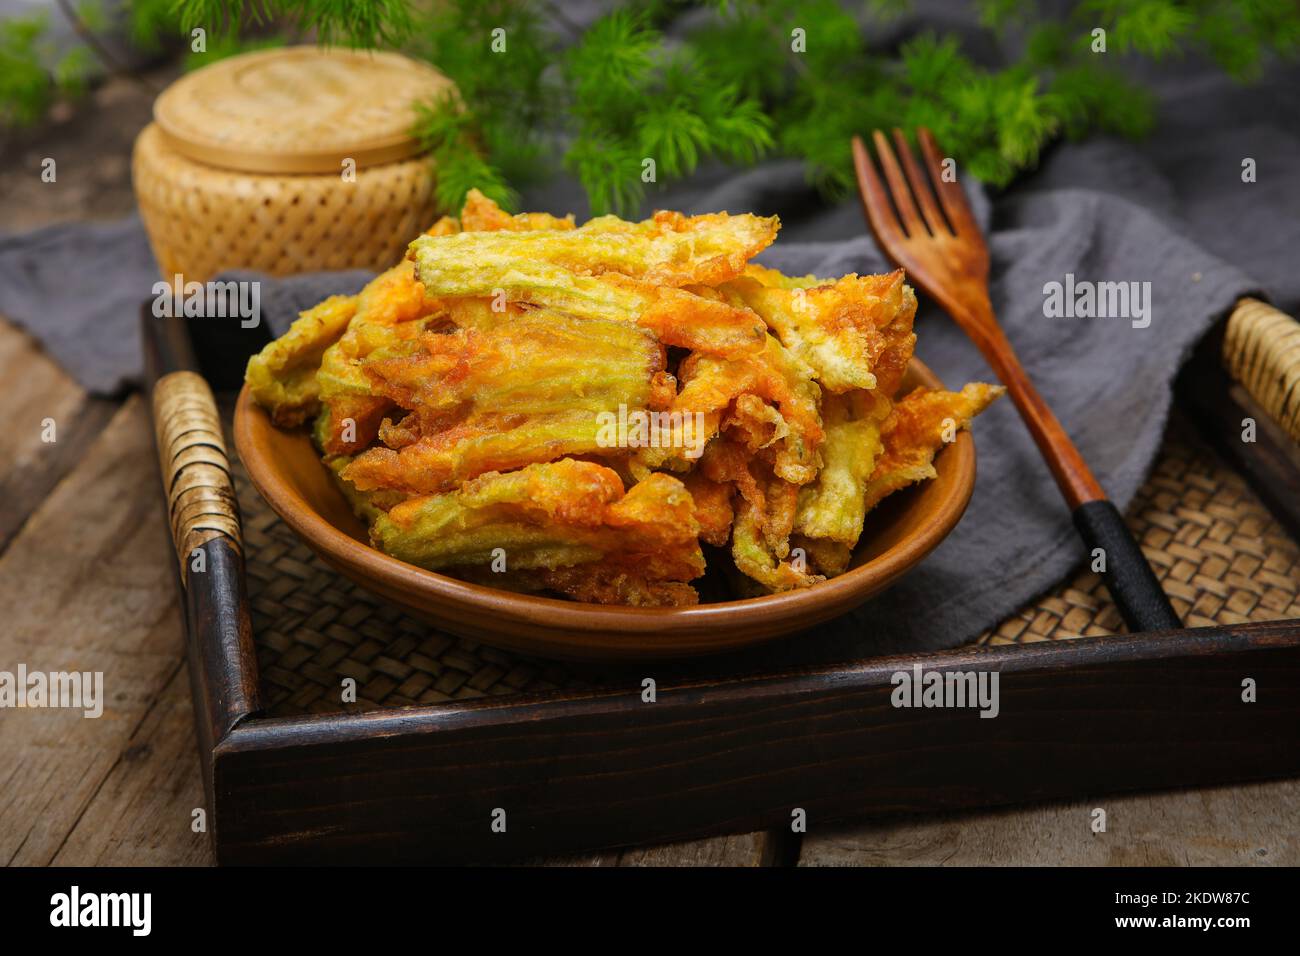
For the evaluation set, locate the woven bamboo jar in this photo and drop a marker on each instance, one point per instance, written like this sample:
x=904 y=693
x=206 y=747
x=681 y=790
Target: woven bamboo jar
x=284 y=161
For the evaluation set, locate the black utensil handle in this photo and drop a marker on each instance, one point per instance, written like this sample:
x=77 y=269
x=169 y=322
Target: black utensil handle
x=1128 y=577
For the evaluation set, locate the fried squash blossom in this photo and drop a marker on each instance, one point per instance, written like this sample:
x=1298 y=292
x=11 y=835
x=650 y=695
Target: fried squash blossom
x=465 y=402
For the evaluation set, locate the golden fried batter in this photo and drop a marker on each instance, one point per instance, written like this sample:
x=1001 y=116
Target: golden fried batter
x=525 y=391
x=550 y=516
x=833 y=506
x=677 y=317
x=668 y=250
x=921 y=423
x=855 y=332
x=538 y=406
x=391 y=309
x=282 y=377
x=483 y=215
x=711 y=385
x=713 y=509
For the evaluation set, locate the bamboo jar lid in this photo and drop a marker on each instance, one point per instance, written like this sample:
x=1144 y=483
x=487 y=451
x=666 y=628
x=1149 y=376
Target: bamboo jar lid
x=298 y=110
x=243 y=166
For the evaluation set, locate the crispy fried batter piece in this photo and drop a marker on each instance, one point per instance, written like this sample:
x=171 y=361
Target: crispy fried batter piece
x=668 y=250
x=677 y=317
x=873 y=447
x=611 y=269
x=366 y=505
x=549 y=516
x=827 y=558
x=282 y=376
x=440 y=462
x=778 y=280
x=591 y=583
x=616 y=585
x=764 y=511
x=754 y=556
x=715 y=387
x=855 y=332
x=528 y=390
x=713 y=508
x=481 y=214
x=445 y=226
x=918 y=427
x=390 y=310
x=834 y=505
x=534 y=364
x=466 y=398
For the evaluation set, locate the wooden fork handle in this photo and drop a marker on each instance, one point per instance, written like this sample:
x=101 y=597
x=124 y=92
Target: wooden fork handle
x=1124 y=568
x=1127 y=575
x=1072 y=474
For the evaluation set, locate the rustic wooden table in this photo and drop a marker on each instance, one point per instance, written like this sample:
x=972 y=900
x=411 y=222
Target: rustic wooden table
x=86 y=583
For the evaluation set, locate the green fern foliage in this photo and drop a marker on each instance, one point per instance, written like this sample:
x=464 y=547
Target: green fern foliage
x=652 y=90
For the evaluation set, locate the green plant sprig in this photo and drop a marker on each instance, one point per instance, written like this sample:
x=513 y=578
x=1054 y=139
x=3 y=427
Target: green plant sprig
x=626 y=108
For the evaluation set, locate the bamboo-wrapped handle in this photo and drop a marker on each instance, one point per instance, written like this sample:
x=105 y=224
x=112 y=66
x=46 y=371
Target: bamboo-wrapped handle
x=1261 y=350
x=194 y=466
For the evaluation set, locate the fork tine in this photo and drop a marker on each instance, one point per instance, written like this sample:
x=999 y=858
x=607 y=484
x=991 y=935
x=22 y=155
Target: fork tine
x=950 y=193
x=898 y=185
x=875 y=201
x=920 y=185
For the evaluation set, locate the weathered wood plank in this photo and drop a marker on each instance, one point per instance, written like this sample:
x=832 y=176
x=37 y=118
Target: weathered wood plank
x=87 y=585
x=1250 y=824
x=746 y=849
x=602 y=858
x=760 y=848
x=38 y=390
x=142 y=815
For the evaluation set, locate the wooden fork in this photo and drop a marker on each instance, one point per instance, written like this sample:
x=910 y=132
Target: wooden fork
x=940 y=247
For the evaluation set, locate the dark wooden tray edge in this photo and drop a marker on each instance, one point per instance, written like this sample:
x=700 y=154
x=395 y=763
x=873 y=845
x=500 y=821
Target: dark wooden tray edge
x=420 y=784
x=586 y=771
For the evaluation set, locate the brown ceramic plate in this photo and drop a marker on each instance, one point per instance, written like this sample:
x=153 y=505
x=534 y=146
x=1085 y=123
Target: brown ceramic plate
x=285 y=467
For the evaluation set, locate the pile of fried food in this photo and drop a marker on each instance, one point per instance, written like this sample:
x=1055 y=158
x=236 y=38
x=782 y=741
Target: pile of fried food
x=544 y=407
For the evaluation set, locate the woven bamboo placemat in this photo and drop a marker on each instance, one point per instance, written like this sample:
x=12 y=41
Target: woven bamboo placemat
x=1221 y=557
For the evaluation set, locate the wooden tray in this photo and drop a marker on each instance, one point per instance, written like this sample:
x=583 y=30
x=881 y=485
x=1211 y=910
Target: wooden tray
x=445 y=734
